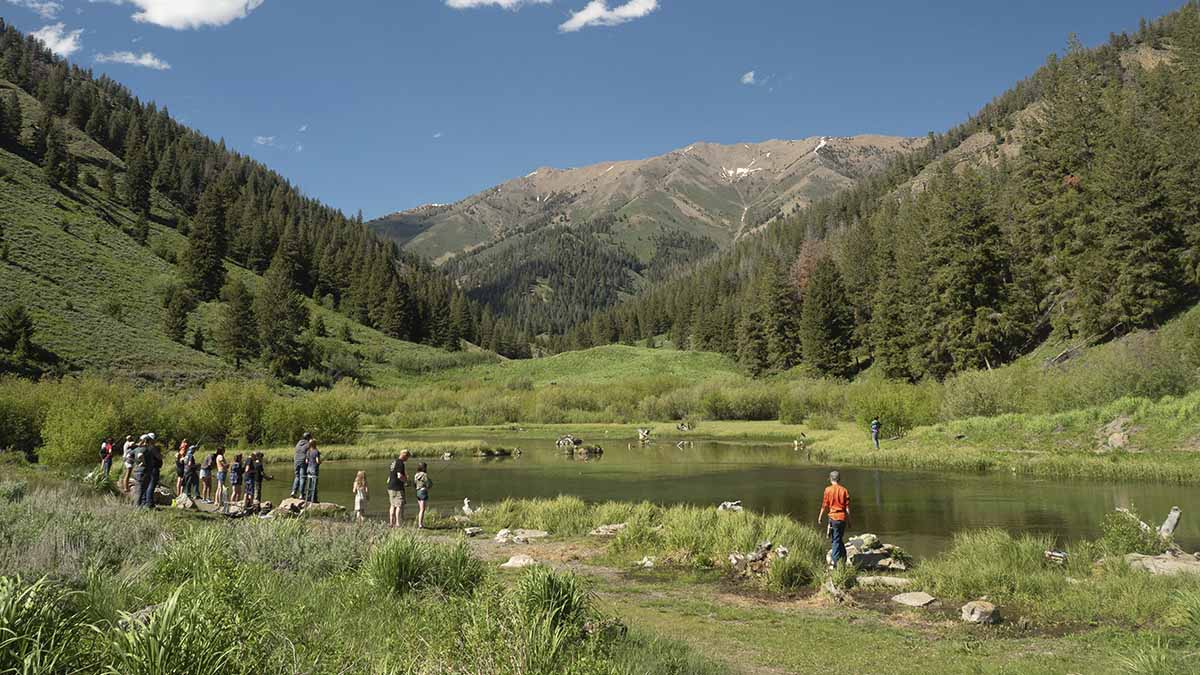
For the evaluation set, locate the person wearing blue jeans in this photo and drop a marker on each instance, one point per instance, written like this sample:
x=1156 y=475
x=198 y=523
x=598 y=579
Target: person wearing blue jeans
x=151 y=465
x=836 y=502
x=313 y=464
x=299 y=462
x=875 y=426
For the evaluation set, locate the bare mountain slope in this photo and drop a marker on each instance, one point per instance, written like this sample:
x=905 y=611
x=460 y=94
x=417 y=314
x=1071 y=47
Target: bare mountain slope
x=718 y=192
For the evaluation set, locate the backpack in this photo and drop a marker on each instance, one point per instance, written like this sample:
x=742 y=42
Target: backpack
x=207 y=463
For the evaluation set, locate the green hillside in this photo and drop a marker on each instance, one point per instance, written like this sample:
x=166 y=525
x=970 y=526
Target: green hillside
x=95 y=294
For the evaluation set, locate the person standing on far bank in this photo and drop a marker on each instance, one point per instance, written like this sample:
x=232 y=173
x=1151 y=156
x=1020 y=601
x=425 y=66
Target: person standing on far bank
x=313 y=461
x=298 y=463
x=875 y=427
x=395 y=487
x=836 y=502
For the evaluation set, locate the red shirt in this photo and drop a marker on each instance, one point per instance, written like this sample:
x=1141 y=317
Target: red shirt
x=836 y=500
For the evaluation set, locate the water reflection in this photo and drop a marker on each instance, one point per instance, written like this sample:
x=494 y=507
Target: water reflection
x=920 y=511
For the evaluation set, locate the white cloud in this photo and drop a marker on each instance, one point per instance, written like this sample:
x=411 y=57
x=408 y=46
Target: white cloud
x=597 y=13
x=299 y=147
x=506 y=4
x=183 y=14
x=265 y=140
x=47 y=9
x=437 y=134
x=303 y=128
x=61 y=41
x=143 y=60
x=748 y=78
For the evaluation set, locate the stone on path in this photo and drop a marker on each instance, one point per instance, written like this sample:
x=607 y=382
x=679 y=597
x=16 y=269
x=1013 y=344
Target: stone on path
x=507 y=536
x=892 y=582
x=914 y=599
x=607 y=530
x=185 y=503
x=518 y=561
x=472 y=531
x=980 y=611
x=646 y=563
x=1165 y=564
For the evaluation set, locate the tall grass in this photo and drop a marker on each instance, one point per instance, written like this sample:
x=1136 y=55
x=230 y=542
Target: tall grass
x=405 y=563
x=41 y=631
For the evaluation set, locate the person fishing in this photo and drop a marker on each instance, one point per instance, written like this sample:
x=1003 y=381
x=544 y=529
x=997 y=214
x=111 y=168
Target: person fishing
x=875 y=427
x=299 y=465
x=836 y=502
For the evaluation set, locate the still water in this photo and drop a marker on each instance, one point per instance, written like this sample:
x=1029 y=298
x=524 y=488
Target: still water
x=920 y=511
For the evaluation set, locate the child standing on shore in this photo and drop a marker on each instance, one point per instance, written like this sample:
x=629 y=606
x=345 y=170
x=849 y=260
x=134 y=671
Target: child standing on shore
x=422 y=482
x=360 y=495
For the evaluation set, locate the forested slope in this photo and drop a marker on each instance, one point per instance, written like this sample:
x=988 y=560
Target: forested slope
x=1078 y=219
x=133 y=244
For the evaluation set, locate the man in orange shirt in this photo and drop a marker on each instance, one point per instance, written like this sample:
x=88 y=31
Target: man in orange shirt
x=837 y=502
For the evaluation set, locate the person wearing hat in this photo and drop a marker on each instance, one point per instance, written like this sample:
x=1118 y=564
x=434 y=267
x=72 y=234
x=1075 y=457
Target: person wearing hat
x=152 y=462
x=836 y=501
x=299 y=463
x=127 y=452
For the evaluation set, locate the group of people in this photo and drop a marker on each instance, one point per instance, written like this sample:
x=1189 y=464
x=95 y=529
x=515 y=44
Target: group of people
x=218 y=481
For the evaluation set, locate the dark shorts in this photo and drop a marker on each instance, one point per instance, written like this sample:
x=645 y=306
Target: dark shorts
x=422 y=494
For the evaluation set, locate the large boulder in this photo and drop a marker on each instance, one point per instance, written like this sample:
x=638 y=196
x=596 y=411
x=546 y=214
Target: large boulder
x=1167 y=564
x=980 y=611
x=185 y=503
x=867 y=552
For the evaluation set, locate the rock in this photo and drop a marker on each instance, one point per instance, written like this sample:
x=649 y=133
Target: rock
x=585 y=450
x=914 y=599
x=1166 y=564
x=291 y=505
x=607 y=530
x=980 y=611
x=185 y=503
x=163 y=496
x=864 y=542
x=834 y=592
x=1055 y=556
x=322 y=508
x=447 y=456
x=506 y=536
x=781 y=552
x=518 y=561
x=472 y=531
x=730 y=506
x=891 y=582
x=265 y=507
x=646 y=563
x=466 y=507
x=737 y=562
x=760 y=553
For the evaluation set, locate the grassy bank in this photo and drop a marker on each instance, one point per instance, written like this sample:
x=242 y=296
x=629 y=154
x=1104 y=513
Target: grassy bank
x=137 y=592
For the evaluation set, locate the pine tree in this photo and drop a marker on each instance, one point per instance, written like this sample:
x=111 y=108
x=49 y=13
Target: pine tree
x=56 y=160
x=751 y=341
x=203 y=264
x=780 y=311
x=826 y=323
x=41 y=135
x=108 y=182
x=4 y=116
x=888 y=330
x=281 y=317
x=16 y=328
x=14 y=119
x=178 y=303
x=137 y=175
x=397 y=313
x=237 y=330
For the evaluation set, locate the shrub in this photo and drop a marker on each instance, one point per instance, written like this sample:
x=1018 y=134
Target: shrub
x=790 y=574
x=180 y=636
x=1121 y=534
x=12 y=491
x=405 y=563
x=993 y=563
x=899 y=406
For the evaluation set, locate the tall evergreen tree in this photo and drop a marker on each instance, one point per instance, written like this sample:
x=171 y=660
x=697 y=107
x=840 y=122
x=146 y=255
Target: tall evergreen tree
x=751 y=340
x=203 y=263
x=780 y=311
x=56 y=161
x=237 y=330
x=137 y=174
x=826 y=323
x=178 y=304
x=281 y=317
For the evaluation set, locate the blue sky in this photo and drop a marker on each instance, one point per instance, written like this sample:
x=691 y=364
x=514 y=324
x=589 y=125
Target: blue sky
x=386 y=104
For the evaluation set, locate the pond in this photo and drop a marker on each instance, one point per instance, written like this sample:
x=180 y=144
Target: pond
x=920 y=511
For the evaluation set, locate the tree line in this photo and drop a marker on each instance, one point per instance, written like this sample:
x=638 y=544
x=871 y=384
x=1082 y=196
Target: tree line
x=1091 y=230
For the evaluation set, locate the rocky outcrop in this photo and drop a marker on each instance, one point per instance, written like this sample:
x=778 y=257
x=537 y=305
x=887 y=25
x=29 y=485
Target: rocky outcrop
x=757 y=563
x=730 y=506
x=472 y=531
x=568 y=441
x=185 y=503
x=1167 y=564
x=296 y=507
x=866 y=552
x=980 y=611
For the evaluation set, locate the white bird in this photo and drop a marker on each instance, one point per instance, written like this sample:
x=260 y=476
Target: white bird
x=467 y=510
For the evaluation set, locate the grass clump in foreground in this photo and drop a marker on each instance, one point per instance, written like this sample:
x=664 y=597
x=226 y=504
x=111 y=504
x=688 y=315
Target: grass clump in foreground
x=105 y=589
